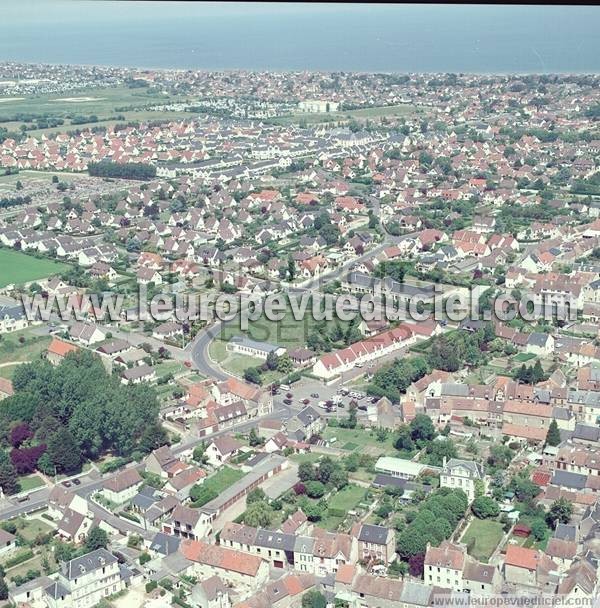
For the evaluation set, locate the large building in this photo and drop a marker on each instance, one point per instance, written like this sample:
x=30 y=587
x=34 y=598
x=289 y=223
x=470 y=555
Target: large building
x=84 y=581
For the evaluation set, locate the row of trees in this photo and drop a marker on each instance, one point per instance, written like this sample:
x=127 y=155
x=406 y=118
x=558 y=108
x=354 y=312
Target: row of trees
x=61 y=415
x=122 y=170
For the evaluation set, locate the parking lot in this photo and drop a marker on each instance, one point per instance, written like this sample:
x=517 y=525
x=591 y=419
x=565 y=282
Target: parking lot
x=306 y=389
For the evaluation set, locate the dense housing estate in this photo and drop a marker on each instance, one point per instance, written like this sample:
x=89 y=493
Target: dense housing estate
x=365 y=463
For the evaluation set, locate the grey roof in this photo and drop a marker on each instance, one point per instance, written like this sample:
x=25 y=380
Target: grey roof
x=165 y=544
x=275 y=540
x=566 y=479
x=452 y=389
x=561 y=413
x=373 y=534
x=417 y=594
x=255 y=344
x=565 y=532
x=304 y=544
x=537 y=339
x=585 y=397
x=87 y=563
x=308 y=415
x=586 y=432
x=12 y=312
x=474 y=467
x=388 y=284
x=56 y=590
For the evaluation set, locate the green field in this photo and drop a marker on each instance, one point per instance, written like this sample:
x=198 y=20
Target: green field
x=365 y=113
x=17 y=268
x=486 y=535
x=106 y=104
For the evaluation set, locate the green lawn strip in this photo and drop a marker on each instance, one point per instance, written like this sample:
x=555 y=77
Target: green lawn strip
x=30 y=482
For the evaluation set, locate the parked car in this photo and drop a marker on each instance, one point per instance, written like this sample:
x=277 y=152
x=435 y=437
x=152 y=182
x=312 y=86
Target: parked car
x=287 y=401
x=77 y=482
x=67 y=484
x=289 y=395
x=315 y=395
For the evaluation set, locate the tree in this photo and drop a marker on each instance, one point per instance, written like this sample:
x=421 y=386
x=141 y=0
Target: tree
x=64 y=452
x=306 y=472
x=97 y=539
x=553 y=435
x=421 y=428
x=315 y=489
x=199 y=453
x=3 y=589
x=153 y=437
x=258 y=515
x=272 y=360
x=19 y=434
x=560 y=511
x=539 y=529
x=258 y=494
x=254 y=439
x=485 y=507
x=416 y=564
x=404 y=439
x=439 y=450
x=8 y=475
x=253 y=375
x=314 y=599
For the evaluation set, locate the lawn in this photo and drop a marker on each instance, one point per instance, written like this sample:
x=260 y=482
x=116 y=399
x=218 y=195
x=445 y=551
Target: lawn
x=30 y=482
x=238 y=364
x=20 y=268
x=484 y=534
x=523 y=357
x=222 y=479
x=33 y=528
x=347 y=498
x=311 y=457
x=12 y=351
x=359 y=439
x=288 y=332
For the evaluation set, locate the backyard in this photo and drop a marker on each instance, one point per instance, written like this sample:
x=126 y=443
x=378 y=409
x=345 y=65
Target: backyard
x=482 y=537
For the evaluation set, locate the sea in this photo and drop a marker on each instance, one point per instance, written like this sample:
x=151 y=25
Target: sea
x=296 y=37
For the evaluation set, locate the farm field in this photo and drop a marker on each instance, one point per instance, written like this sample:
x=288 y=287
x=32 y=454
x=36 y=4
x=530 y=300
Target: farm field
x=16 y=268
x=482 y=537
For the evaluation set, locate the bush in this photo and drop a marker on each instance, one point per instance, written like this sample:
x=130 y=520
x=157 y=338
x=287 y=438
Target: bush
x=144 y=558
x=151 y=586
x=315 y=489
x=18 y=559
x=485 y=507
